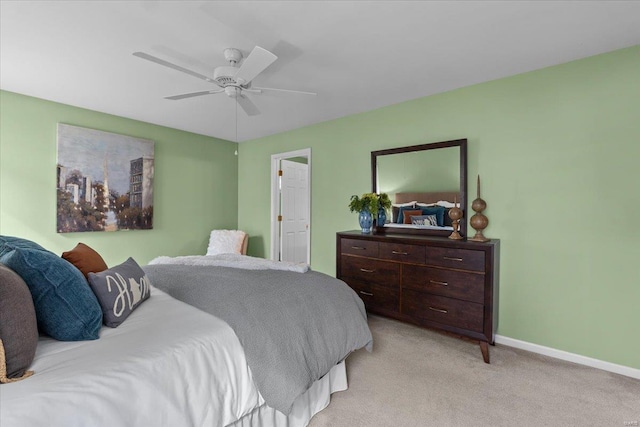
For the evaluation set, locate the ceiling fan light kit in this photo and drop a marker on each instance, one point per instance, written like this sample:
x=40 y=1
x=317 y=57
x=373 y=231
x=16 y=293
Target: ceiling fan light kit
x=232 y=91
x=232 y=79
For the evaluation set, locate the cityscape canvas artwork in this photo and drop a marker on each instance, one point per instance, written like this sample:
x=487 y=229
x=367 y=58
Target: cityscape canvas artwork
x=104 y=181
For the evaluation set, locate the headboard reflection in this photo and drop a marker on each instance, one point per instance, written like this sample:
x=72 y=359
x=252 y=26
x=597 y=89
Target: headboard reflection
x=452 y=197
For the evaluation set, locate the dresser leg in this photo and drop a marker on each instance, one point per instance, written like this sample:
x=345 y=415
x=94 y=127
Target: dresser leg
x=484 y=348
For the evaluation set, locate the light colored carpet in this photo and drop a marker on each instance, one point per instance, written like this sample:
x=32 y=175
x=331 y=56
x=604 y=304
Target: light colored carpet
x=418 y=377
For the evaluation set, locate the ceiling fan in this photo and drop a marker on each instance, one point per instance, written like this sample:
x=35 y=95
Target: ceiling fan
x=231 y=79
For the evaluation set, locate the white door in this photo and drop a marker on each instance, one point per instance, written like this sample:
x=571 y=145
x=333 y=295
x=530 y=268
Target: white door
x=294 y=211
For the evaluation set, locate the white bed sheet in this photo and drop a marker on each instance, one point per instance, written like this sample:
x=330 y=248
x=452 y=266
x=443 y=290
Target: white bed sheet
x=314 y=400
x=168 y=364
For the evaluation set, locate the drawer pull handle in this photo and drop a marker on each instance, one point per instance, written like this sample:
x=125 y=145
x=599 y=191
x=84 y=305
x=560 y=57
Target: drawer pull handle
x=438 y=283
x=452 y=259
x=359 y=248
x=438 y=310
x=399 y=253
x=369 y=294
x=364 y=270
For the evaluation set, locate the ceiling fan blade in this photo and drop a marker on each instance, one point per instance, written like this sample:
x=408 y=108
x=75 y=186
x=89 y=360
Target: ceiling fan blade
x=170 y=65
x=257 y=61
x=300 y=92
x=247 y=105
x=192 y=94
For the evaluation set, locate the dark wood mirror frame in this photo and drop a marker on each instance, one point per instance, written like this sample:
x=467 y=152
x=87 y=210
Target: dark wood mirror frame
x=462 y=144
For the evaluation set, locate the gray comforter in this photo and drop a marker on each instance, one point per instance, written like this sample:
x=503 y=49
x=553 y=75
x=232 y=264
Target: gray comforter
x=294 y=327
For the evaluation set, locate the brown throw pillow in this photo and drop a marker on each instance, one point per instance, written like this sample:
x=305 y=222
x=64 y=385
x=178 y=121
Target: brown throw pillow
x=18 y=327
x=408 y=214
x=85 y=259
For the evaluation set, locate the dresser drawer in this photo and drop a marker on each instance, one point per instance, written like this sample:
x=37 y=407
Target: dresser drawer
x=359 y=247
x=464 y=259
x=402 y=252
x=371 y=270
x=448 y=311
x=376 y=297
x=448 y=283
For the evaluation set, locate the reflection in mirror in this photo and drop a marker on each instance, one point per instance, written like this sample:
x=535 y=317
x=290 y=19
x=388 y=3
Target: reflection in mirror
x=421 y=171
x=426 y=174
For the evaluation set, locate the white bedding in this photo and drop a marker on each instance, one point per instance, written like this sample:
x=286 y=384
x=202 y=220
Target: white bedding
x=169 y=364
x=232 y=260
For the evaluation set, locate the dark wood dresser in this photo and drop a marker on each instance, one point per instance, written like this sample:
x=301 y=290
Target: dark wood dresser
x=428 y=281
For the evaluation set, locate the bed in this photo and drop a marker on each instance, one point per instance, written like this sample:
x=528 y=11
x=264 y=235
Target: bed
x=419 y=206
x=174 y=363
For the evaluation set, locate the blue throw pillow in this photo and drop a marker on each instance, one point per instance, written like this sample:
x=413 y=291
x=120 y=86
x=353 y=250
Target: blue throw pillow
x=438 y=211
x=9 y=243
x=66 y=309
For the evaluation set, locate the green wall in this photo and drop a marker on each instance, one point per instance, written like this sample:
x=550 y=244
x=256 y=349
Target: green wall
x=557 y=150
x=421 y=171
x=195 y=184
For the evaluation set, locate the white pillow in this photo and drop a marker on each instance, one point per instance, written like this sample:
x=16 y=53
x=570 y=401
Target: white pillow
x=446 y=204
x=400 y=205
x=225 y=242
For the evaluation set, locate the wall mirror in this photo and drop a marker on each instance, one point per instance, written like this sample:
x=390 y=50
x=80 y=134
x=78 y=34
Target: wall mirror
x=423 y=178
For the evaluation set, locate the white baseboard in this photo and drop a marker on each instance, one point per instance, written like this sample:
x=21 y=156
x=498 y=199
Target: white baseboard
x=570 y=357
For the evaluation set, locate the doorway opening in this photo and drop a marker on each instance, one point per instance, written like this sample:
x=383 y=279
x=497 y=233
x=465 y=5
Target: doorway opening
x=291 y=206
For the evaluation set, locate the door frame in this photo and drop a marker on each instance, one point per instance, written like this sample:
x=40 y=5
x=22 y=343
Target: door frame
x=275 y=211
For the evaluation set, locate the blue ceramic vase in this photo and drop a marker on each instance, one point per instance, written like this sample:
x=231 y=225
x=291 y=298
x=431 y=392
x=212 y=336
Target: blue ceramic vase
x=366 y=221
x=382 y=217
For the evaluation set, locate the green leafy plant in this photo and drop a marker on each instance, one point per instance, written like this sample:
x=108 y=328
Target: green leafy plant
x=384 y=201
x=369 y=202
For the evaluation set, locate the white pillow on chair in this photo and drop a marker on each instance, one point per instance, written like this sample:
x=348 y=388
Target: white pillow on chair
x=226 y=242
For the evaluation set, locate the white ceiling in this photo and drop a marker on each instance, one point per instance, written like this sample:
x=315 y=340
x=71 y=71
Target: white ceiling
x=357 y=55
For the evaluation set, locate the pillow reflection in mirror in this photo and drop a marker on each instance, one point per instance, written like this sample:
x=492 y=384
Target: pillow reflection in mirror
x=446 y=204
x=399 y=218
x=447 y=219
x=396 y=216
x=407 y=214
x=424 y=220
x=438 y=211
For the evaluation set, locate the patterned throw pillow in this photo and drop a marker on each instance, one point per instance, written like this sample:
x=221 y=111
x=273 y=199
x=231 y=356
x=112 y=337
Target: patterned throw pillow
x=424 y=220
x=120 y=290
x=438 y=211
